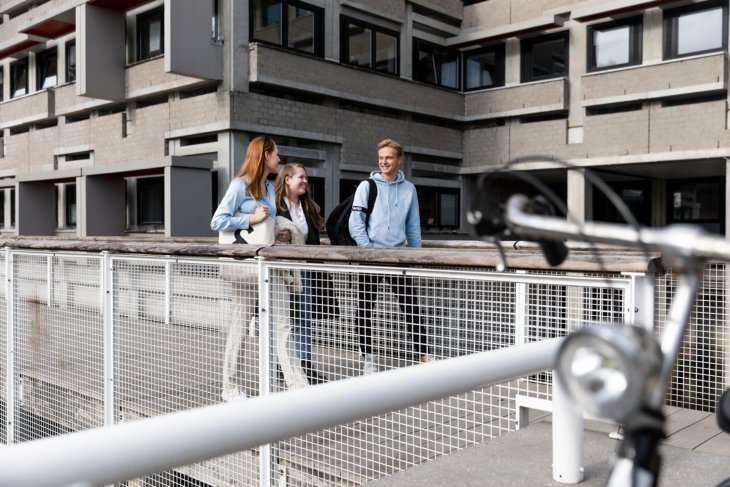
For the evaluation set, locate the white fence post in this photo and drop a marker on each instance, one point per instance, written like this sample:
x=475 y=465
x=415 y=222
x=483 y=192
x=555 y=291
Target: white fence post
x=9 y=349
x=567 y=437
x=265 y=319
x=107 y=304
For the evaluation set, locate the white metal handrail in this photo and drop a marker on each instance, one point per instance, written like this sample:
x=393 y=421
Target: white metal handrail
x=105 y=455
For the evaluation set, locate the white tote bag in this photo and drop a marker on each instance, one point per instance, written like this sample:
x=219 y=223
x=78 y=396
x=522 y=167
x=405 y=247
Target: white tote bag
x=261 y=233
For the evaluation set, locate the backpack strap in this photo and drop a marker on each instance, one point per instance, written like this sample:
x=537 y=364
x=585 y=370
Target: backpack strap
x=372 y=194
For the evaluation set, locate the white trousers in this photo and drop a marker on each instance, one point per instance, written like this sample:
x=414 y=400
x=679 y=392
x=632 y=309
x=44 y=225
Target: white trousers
x=281 y=326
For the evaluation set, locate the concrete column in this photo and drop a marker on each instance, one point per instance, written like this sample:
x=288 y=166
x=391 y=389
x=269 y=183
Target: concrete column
x=576 y=68
x=580 y=195
x=234 y=24
x=653 y=38
x=188 y=195
x=34 y=206
x=101 y=206
x=512 y=60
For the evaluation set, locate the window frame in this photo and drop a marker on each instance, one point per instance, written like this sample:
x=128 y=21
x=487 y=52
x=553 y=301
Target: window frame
x=42 y=62
x=143 y=20
x=636 y=29
x=318 y=33
x=526 y=46
x=140 y=184
x=13 y=77
x=671 y=16
x=344 y=44
x=70 y=69
x=499 y=58
x=437 y=52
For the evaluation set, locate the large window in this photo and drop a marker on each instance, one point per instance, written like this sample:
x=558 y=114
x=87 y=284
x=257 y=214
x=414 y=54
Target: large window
x=435 y=64
x=2 y=83
x=150 y=34
x=69 y=207
x=695 y=29
x=698 y=201
x=439 y=207
x=70 y=61
x=151 y=201
x=288 y=23
x=369 y=46
x=19 y=78
x=545 y=57
x=636 y=195
x=614 y=44
x=46 y=63
x=484 y=68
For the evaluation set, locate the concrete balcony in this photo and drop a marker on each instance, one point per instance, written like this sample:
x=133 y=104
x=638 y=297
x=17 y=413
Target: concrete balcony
x=68 y=102
x=277 y=67
x=149 y=77
x=513 y=101
x=27 y=109
x=694 y=75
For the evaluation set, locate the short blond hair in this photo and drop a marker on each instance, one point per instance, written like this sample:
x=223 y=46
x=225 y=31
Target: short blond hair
x=392 y=144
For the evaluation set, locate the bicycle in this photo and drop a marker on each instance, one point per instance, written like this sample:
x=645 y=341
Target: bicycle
x=618 y=372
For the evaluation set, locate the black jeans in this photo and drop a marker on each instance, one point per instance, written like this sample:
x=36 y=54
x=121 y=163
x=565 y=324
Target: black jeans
x=402 y=286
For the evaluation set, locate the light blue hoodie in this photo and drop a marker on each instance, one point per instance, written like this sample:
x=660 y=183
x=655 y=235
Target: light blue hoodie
x=395 y=220
x=238 y=199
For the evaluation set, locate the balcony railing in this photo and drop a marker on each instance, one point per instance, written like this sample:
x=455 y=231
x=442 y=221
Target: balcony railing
x=94 y=338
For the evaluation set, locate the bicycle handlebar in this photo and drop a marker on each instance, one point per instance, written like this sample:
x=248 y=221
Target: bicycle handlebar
x=677 y=241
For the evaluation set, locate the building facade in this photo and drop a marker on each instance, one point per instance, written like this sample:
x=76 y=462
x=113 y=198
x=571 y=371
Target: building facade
x=121 y=117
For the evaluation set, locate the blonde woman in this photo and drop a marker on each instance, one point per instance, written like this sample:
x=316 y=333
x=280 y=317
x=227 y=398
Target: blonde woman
x=294 y=202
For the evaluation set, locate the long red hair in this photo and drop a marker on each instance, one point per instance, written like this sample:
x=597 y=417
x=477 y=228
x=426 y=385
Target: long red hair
x=254 y=165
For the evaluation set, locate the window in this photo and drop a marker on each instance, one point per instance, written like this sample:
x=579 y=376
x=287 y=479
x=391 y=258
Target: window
x=635 y=194
x=150 y=34
x=215 y=29
x=698 y=201
x=2 y=83
x=70 y=205
x=70 y=61
x=2 y=208
x=545 y=57
x=12 y=207
x=484 y=68
x=435 y=64
x=439 y=207
x=614 y=44
x=46 y=63
x=369 y=46
x=695 y=29
x=288 y=23
x=151 y=201
x=19 y=78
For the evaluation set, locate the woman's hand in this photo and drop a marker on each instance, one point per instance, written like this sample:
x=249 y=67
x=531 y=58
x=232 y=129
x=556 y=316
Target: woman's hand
x=283 y=235
x=261 y=214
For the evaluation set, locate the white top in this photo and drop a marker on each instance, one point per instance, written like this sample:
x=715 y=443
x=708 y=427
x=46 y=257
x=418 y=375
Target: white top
x=297 y=216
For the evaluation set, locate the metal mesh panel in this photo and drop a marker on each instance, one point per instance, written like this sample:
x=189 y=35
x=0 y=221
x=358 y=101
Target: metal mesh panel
x=458 y=315
x=58 y=345
x=700 y=375
x=171 y=324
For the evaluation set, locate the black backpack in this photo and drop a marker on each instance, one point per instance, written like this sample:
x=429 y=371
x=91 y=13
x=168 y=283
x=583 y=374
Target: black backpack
x=338 y=223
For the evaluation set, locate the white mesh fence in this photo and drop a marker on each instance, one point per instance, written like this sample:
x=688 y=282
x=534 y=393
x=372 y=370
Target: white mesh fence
x=185 y=333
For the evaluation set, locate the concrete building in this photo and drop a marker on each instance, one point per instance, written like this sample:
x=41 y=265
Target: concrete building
x=126 y=116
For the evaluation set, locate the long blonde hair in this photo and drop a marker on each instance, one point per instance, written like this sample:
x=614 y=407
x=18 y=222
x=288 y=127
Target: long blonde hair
x=310 y=207
x=254 y=165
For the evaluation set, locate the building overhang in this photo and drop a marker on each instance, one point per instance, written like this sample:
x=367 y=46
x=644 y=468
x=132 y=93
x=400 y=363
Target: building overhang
x=480 y=36
x=18 y=44
x=51 y=27
x=616 y=7
x=121 y=5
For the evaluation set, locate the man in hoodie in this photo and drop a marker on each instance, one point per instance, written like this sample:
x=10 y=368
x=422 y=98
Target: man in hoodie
x=394 y=222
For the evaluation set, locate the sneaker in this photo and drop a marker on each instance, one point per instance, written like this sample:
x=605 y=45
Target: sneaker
x=233 y=395
x=368 y=365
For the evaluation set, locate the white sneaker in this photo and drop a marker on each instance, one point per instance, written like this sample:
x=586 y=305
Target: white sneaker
x=368 y=365
x=233 y=395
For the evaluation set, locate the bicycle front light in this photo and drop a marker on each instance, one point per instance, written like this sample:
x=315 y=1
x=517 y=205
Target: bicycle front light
x=610 y=369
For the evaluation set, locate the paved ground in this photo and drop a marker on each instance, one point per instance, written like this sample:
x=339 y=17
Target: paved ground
x=695 y=454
